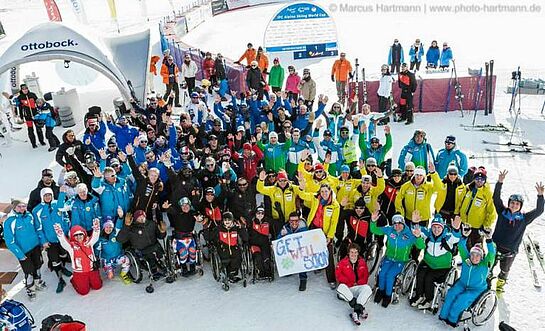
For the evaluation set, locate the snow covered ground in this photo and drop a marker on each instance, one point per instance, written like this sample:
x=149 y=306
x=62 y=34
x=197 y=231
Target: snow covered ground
x=200 y=303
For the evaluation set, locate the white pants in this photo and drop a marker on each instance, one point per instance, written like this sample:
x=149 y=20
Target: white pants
x=362 y=293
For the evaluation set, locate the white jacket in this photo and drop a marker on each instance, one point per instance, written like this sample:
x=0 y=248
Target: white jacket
x=385 y=86
x=189 y=71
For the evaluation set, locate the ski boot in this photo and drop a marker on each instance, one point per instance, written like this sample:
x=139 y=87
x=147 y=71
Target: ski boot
x=302 y=285
x=125 y=277
x=31 y=293
x=66 y=272
x=386 y=301
x=379 y=295
x=355 y=318
x=192 y=269
x=424 y=305
x=500 y=283
x=416 y=301
x=60 y=286
x=185 y=272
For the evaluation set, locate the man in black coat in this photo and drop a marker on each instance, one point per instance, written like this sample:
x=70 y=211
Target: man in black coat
x=27 y=110
x=46 y=181
x=255 y=81
x=407 y=84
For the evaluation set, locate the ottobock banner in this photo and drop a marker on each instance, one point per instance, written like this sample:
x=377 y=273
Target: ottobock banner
x=301 y=252
x=304 y=29
x=52 y=11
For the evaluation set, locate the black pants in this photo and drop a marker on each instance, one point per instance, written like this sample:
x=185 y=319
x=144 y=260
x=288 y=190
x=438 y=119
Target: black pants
x=262 y=259
x=231 y=262
x=406 y=106
x=51 y=138
x=173 y=87
x=425 y=279
x=474 y=237
x=415 y=64
x=383 y=104
x=394 y=67
x=506 y=259
x=31 y=265
x=32 y=137
x=190 y=81
x=56 y=257
x=293 y=96
x=309 y=104
x=276 y=89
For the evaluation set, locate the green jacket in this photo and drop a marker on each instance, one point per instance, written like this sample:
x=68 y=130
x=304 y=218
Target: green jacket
x=380 y=153
x=398 y=245
x=275 y=155
x=276 y=76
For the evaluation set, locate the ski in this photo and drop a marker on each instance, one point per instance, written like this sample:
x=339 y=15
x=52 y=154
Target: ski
x=458 y=89
x=522 y=144
x=420 y=98
x=473 y=157
x=530 y=256
x=486 y=90
x=537 y=250
x=512 y=150
x=487 y=129
x=483 y=126
x=491 y=87
x=364 y=85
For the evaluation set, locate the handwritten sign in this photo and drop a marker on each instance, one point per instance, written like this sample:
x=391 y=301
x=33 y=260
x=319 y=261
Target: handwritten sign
x=301 y=252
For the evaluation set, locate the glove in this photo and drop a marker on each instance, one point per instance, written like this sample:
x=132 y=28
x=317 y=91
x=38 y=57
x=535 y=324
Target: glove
x=466 y=229
x=338 y=243
x=487 y=233
x=332 y=78
x=351 y=75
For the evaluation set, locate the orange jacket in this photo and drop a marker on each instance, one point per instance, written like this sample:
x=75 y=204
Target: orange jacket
x=263 y=63
x=153 y=64
x=249 y=55
x=164 y=73
x=341 y=69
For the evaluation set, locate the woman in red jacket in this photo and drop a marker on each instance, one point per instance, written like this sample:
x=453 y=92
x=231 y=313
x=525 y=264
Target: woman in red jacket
x=86 y=273
x=352 y=276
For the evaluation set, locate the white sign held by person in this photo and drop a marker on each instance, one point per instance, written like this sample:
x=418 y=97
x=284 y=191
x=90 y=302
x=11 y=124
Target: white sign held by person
x=301 y=252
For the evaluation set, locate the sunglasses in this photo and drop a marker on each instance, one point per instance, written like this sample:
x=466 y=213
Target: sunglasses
x=209 y=194
x=336 y=107
x=287 y=127
x=210 y=165
x=453 y=174
x=360 y=208
x=282 y=180
x=116 y=165
x=319 y=171
x=78 y=235
x=150 y=157
x=480 y=179
x=409 y=170
x=344 y=132
x=243 y=184
x=396 y=176
x=448 y=143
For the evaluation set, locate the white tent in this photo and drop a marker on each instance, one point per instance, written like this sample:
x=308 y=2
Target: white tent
x=56 y=41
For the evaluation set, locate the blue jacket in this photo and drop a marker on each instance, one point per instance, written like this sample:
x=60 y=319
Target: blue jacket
x=124 y=134
x=21 y=234
x=416 y=153
x=46 y=215
x=446 y=56
x=286 y=229
x=445 y=157
x=432 y=55
x=108 y=246
x=84 y=212
x=112 y=196
x=416 y=57
x=401 y=57
x=46 y=116
x=125 y=169
x=473 y=276
x=98 y=139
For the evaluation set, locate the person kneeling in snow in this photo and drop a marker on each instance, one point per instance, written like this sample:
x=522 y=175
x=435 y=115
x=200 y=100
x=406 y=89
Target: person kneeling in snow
x=352 y=275
x=85 y=274
x=110 y=250
x=472 y=282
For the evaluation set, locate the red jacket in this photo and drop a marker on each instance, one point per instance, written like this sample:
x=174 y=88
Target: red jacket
x=82 y=255
x=345 y=272
x=208 y=66
x=249 y=164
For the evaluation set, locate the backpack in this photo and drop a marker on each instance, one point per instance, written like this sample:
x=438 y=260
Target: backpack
x=15 y=316
x=57 y=322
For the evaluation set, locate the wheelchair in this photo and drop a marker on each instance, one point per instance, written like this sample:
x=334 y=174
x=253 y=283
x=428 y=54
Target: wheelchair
x=139 y=266
x=172 y=258
x=403 y=282
x=254 y=272
x=440 y=289
x=219 y=272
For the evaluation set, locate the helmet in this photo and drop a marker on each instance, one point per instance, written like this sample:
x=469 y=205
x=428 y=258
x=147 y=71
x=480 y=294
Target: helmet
x=517 y=197
x=384 y=67
x=184 y=201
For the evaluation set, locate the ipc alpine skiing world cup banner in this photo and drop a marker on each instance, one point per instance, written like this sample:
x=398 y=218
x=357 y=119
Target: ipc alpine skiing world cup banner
x=305 y=29
x=301 y=252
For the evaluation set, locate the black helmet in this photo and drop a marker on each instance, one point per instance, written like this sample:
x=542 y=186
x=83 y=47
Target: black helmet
x=360 y=202
x=517 y=197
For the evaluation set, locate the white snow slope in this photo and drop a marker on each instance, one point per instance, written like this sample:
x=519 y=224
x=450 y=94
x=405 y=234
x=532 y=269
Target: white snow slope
x=511 y=39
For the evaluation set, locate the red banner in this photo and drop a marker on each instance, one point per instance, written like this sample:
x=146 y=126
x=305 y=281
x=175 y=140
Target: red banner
x=52 y=11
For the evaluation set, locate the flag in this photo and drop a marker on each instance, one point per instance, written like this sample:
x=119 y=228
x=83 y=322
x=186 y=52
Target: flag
x=52 y=11
x=79 y=10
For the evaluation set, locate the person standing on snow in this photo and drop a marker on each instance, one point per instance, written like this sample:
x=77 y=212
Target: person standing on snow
x=432 y=55
x=46 y=117
x=27 y=111
x=295 y=224
x=249 y=55
x=417 y=151
x=384 y=92
x=340 y=73
x=189 y=71
x=169 y=72
x=307 y=88
x=276 y=76
x=416 y=53
x=395 y=56
x=446 y=57
x=407 y=84
x=292 y=84
x=511 y=225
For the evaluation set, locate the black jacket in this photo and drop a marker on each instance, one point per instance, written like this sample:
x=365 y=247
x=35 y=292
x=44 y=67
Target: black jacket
x=220 y=70
x=146 y=193
x=35 y=198
x=241 y=203
x=62 y=157
x=254 y=79
x=141 y=236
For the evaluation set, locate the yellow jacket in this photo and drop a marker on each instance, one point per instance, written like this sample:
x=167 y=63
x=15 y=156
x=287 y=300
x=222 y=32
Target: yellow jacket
x=286 y=198
x=411 y=198
x=370 y=196
x=330 y=216
x=345 y=188
x=442 y=196
x=478 y=211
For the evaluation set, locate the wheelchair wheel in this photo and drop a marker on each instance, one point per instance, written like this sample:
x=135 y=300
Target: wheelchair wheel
x=216 y=265
x=372 y=257
x=135 y=271
x=408 y=275
x=247 y=260
x=485 y=307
